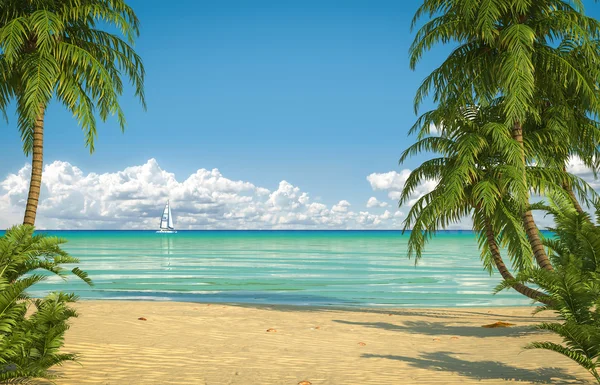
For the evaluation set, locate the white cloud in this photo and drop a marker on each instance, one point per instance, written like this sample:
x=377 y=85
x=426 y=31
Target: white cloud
x=577 y=167
x=393 y=182
x=388 y=181
x=435 y=130
x=373 y=202
x=133 y=199
x=341 y=207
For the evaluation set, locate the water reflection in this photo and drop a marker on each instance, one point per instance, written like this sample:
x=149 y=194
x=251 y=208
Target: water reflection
x=166 y=244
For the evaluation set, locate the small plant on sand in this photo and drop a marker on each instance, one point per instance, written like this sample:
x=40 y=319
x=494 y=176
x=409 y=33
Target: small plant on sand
x=32 y=330
x=572 y=290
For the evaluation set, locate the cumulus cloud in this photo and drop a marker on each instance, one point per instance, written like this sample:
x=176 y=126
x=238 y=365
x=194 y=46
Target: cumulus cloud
x=388 y=181
x=576 y=167
x=341 y=207
x=133 y=199
x=374 y=202
x=392 y=182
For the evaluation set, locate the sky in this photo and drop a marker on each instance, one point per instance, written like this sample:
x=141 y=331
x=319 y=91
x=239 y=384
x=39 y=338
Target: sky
x=261 y=114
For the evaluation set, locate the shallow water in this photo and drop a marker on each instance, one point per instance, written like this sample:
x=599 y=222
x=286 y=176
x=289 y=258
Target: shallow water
x=319 y=268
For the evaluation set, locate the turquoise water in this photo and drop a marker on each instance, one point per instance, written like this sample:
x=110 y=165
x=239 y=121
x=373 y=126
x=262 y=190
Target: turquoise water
x=319 y=268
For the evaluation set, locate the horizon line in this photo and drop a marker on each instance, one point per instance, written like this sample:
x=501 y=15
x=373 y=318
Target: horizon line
x=151 y=230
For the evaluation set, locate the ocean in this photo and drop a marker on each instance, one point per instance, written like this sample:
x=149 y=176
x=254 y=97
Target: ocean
x=310 y=268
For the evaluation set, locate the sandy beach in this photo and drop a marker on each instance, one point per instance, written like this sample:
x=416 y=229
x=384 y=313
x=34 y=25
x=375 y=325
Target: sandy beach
x=212 y=344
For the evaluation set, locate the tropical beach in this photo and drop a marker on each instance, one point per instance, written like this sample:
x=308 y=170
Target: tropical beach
x=281 y=307
x=198 y=343
x=302 y=193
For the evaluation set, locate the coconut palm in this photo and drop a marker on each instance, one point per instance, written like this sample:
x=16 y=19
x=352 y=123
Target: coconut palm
x=478 y=175
x=56 y=48
x=531 y=58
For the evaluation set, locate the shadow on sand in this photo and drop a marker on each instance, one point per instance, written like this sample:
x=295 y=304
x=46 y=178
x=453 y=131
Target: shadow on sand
x=440 y=328
x=442 y=313
x=484 y=370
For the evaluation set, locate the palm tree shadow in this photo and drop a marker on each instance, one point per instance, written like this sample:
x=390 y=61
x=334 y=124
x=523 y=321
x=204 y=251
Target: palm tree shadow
x=484 y=370
x=431 y=313
x=441 y=328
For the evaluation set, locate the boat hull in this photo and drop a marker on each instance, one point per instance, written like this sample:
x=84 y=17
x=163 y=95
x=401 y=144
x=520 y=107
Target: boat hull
x=166 y=232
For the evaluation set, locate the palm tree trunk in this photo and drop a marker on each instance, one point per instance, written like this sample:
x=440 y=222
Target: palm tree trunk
x=533 y=234
x=36 y=169
x=503 y=270
x=571 y=194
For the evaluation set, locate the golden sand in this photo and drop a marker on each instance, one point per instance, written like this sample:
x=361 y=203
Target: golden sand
x=190 y=343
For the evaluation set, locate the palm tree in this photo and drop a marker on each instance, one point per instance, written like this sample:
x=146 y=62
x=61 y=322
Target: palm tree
x=478 y=175
x=531 y=58
x=56 y=48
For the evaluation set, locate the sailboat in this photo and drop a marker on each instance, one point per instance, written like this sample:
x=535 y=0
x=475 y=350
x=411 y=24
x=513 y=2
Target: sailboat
x=166 y=221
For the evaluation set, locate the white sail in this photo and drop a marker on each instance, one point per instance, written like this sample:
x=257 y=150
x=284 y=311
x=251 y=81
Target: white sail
x=166 y=222
x=170 y=222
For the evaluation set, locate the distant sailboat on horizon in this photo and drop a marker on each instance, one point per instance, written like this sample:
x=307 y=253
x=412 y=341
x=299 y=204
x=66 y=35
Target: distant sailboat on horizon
x=166 y=221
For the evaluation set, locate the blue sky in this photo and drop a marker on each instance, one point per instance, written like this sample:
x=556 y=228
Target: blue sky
x=310 y=92
x=317 y=93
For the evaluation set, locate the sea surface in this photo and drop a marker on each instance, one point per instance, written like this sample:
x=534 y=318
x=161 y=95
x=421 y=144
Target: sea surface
x=316 y=268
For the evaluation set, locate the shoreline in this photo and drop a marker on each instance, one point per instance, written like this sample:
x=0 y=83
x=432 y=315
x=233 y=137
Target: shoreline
x=385 y=309
x=210 y=343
